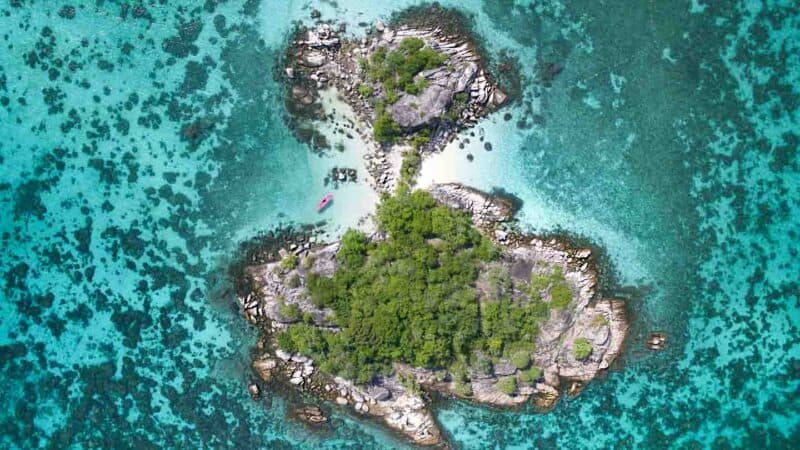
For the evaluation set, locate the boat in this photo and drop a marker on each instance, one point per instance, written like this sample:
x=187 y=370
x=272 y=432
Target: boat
x=324 y=202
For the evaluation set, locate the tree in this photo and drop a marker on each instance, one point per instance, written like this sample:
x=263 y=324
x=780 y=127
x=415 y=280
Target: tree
x=385 y=129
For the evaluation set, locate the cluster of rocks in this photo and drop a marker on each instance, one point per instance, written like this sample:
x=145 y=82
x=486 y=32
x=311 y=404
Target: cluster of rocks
x=384 y=168
x=485 y=210
x=341 y=175
x=657 y=341
x=457 y=93
x=277 y=291
x=385 y=399
x=312 y=414
x=590 y=317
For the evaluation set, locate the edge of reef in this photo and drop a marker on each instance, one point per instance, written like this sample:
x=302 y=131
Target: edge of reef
x=453 y=100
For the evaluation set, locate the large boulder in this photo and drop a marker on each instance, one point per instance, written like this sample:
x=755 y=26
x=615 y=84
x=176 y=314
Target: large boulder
x=416 y=111
x=313 y=58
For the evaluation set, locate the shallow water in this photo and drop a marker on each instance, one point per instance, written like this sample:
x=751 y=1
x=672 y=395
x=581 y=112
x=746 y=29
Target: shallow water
x=669 y=139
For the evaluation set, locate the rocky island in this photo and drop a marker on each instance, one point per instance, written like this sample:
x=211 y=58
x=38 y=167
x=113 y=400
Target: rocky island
x=444 y=295
x=415 y=88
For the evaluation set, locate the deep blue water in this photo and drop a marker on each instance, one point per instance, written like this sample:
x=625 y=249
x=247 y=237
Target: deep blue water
x=142 y=142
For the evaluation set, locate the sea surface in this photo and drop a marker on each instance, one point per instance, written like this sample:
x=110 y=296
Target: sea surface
x=141 y=142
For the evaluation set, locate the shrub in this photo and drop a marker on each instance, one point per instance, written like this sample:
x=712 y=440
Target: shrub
x=396 y=69
x=458 y=105
x=560 y=292
x=539 y=282
x=289 y=311
x=459 y=371
x=294 y=281
x=507 y=385
x=531 y=375
x=499 y=283
x=599 y=321
x=303 y=338
x=308 y=262
x=410 y=167
x=422 y=137
x=321 y=290
x=365 y=90
x=582 y=348
x=385 y=129
x=392 y=96
x=290 y=262
x=561 y=295
x=484 y=365
x=463 y=389
x=521 y=360
x=410 y=383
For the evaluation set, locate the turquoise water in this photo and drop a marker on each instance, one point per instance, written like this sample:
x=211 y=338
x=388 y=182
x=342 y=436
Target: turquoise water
x=141 y=144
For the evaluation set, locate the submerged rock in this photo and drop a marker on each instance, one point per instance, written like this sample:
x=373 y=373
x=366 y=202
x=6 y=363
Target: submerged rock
x=311 y=414
x=657 y=341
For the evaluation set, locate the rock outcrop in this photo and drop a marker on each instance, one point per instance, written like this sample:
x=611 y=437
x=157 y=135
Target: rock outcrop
x=599 y=321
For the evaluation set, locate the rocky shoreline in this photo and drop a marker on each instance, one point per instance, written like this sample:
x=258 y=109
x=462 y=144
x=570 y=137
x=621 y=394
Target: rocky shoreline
x=401 y=400
x=457 y=95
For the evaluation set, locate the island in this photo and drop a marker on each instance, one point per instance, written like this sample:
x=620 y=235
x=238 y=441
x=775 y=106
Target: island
x=443 y=295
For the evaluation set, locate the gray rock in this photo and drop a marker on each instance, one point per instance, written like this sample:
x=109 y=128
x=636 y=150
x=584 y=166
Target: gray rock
x=313 y=58
x=415 y=111
x=465 y=77
x=504 y=368
x=379 y=393
x=499 y=97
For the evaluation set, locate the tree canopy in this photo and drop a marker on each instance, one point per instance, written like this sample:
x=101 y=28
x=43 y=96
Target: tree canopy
x=412 y=297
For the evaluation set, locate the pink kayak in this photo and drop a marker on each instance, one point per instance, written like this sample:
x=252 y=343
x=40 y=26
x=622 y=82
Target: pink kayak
x=324 y=202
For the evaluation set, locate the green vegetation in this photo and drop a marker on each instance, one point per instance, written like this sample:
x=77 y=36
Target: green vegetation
x=320 y=290
x=412 y=298
x=521 y=360
x=484 y=365
x=365 y=90
x=531 y=375
x=385 y=129
x=408 y=170
x=294 y=281
x=582 y=348
x=410 y=383
x=498 y=283
x=290 y=262
x=599 y=321
x=459 y=371
x=507 y=385
x=395 y=69
x=289 y=312
x=460 y=102
x=463 y=389
x=422 y=137
x=402 y=299
x=506 y=325
x=307 y=262
x=560 y=292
